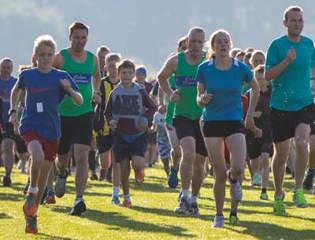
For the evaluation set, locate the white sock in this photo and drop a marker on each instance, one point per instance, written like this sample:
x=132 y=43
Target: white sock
x=185 y=193
x=127 y=197
x=33 y=189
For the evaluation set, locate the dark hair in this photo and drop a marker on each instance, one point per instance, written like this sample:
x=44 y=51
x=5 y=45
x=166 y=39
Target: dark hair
x=77 y=25
x=126 y=63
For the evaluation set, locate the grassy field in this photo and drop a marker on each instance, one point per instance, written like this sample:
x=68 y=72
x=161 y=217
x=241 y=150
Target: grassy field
x=152 y=216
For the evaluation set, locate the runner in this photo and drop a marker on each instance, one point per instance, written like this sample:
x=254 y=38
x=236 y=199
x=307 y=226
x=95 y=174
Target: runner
x=77 y=121
x=9 y=137
x=219 y=91
x=44 y=87
x=186 y=117
x=290 y=59
x=128 y=111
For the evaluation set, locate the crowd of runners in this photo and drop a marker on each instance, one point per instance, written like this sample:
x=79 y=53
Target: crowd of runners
x=211 y=109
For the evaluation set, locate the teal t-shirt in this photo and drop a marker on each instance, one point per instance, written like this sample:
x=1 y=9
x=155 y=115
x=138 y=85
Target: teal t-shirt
x=291 y=90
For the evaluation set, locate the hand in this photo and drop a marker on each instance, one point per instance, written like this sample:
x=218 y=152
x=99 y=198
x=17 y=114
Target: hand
x=65 y=84
x=257 y=114
x=13 y=120
x=257 y=132
x=175 y=97
x=97 y=98
x=205 y=98
x=113 y=124
x=291 y=55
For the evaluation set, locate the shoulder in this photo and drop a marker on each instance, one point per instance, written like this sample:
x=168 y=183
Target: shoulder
x=60 y=73
x=206 y=64
x=307 y=40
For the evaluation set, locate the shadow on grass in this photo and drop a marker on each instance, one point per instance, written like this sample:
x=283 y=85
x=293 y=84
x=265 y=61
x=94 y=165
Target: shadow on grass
x=118 y=221
x=272 y=231
x=11 y=197
x=5 y=216
x=52 y=237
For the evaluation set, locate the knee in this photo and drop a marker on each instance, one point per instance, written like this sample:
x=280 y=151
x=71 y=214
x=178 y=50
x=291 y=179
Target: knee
x=237 y=170
x=301 y=143
x=37 y=156
x=221 y=176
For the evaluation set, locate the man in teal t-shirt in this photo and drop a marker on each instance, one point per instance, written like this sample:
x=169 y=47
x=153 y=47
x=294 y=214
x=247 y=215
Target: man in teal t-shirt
x=290 y=61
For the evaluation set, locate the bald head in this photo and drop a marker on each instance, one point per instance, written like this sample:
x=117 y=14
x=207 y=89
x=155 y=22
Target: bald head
x=196 y=39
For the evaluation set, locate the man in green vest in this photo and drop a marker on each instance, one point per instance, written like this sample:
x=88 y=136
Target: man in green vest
x=77 y=121
x=186 y=117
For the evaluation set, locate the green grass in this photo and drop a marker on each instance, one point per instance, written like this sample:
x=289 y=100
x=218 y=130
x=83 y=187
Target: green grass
x=151 y=216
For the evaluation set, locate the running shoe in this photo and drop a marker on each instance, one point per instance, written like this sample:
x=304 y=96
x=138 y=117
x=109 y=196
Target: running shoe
x=78 y=208
x=115 y=200
x=194 y=210
x=299 y=198
x=256 y=181
x=236 y=191
x=126 y=203
x=183 y=206
x=173 y=178
x=139 y=176
x=31 y=225
x=50 y=198
x=94 y=177
x=6 y=181
x=60 y=184
x=308 y=180
x=279 y=207
x=263 y=196
x=233 y=219
x=218 y=221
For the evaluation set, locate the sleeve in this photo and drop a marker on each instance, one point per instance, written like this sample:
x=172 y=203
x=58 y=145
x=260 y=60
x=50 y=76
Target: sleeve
x=72 y=83
x=199 y=75
x=21 y=81
x=313 y=56
x=108 y=109
x=154 y=122
x=272 y=58
x=248 y=74
x=148 y=104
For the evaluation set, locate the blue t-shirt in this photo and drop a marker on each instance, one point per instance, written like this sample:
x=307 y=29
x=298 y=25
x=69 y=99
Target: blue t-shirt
x=226 y=87
x=291 y=90
x=43 y=94
x=5 y=93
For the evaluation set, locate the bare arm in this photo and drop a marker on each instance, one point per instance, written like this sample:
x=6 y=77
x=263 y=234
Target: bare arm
x=96 y=75
x=167 y=70
x=15 y=98
x=202 y=97
x=58 y=61
x=253 y=100
x=161 y=97
x=275 y=71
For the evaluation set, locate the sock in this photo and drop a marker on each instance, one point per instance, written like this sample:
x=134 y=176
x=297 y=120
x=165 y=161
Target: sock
x=193 y=199
x=33 y=189
x=263 y=190
x=115 y=191
x=233 y=213
x=127 y=197
x=185 y=193
x=78 y=197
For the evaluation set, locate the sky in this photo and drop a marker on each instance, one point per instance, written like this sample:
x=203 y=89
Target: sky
x=144 y=30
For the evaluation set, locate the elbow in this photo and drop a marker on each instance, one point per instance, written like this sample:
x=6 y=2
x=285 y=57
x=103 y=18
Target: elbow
x=268 y=76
